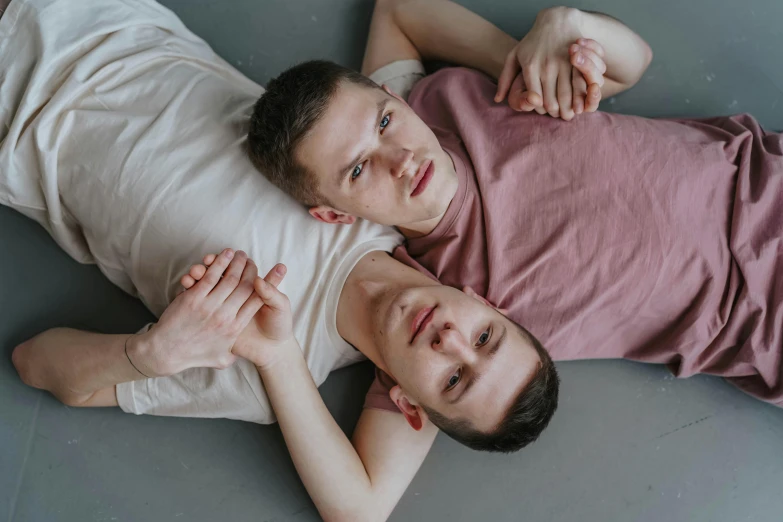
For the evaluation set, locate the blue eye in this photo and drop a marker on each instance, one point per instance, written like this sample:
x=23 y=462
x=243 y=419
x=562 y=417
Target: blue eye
x=454 y=379
x=483 y=338
x=385 y=121
x=356 y=171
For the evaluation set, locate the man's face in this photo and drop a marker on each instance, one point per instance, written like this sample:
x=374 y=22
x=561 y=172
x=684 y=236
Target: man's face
x=453 y=354
x=374 y=158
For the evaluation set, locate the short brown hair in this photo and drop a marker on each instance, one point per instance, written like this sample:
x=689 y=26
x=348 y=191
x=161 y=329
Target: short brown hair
x=291 y=106
x=527 y=417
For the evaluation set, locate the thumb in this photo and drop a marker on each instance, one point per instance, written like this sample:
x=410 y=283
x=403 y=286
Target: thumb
x=510 y=70
x=275 y=276
x=272 y=297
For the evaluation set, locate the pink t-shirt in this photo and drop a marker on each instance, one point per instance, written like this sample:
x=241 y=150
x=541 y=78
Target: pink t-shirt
x=615 y=236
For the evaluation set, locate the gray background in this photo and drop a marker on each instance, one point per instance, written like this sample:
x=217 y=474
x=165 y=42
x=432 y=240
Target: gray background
x=629 y=443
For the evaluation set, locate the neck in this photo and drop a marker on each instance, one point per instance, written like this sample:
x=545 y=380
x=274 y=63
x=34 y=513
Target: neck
x=369 y=288
x=420 y=228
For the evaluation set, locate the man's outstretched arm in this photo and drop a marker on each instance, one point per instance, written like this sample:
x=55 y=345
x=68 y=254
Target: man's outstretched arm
x=198 y=329
x=434 y=30
x=536 y=73
x=348 y=481
x=360 y=480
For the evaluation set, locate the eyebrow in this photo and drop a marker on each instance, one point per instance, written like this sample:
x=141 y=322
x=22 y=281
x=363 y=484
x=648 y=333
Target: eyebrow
x=476 y=377
x=381 y=106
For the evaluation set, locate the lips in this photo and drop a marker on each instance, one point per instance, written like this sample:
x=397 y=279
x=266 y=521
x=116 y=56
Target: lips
x=423 y=177
x=420 y=322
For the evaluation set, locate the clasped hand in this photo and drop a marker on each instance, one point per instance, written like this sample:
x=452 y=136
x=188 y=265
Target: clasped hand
x=553 y=69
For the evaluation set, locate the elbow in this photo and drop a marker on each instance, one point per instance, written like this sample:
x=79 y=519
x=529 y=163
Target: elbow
x=20 y=358
x=644 y=60
x=364 y=512
x=33 y=374
x=647 y=56
x=355 y=516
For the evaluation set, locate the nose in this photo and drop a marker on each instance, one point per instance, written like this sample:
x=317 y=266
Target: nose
x=400 y=161
x=450 y=341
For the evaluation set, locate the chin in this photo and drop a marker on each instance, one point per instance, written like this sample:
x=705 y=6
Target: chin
x=394 y=318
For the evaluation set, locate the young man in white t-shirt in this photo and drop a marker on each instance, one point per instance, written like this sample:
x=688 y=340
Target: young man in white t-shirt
x=123 y=135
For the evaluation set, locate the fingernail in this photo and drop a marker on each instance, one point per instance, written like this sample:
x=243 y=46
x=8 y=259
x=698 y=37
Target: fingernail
x=229 y=253
x=280 y=269
x=579 y=59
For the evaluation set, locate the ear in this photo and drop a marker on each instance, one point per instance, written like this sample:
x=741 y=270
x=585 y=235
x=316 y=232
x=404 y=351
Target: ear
x=472 y=293
x=393 y=94
x=414 y=414
x=331 y=215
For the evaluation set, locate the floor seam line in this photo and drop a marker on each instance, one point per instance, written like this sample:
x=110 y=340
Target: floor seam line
x=27 y=450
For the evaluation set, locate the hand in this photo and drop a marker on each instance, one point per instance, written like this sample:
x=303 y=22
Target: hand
x=271 y=333
x=587 y=58
x=201 y=325
x=539 y=72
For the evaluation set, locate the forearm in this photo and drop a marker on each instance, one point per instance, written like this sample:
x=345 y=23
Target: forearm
x=327 y=462
x=73 y=364
x=627 y=54
x=443 y=30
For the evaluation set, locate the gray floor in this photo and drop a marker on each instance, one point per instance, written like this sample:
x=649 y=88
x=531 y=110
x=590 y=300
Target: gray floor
x=628 y=444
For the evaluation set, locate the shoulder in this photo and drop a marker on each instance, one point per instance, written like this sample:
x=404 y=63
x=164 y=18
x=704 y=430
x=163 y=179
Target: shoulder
x=457 y=84
x=400 y=76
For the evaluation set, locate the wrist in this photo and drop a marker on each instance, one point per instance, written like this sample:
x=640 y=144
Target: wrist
x=284 y=355
x=154 y=354
x=143 y=355
x=565 y=19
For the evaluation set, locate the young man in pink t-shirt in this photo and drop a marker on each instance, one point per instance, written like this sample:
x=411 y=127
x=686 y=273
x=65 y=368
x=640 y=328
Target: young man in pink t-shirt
x=607 y=236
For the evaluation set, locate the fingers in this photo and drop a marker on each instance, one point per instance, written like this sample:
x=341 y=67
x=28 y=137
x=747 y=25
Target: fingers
x=592 y=45
x=533 y=84
x=275 y=276
x=267 y=288
x=549 y=84
x=186 y=281
x=243 y=290
x=272 y=297
x=265 y=293
x=565 y=94
x=593 y=98
x=510 y=70
x=520 y=99
x=579 y=89
x=588 y=63
x=209 y=259
x=195 y=273
x=231 y=278
x=215 y=271
x=249 y=308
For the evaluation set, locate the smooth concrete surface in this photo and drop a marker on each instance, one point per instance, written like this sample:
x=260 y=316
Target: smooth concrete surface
x=629 y=443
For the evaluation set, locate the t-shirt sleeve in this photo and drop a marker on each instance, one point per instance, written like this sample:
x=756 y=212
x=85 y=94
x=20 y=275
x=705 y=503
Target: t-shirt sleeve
x=378 y=394
x=400 y=76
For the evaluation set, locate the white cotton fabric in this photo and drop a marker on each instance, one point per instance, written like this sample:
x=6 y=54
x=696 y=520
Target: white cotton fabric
x=123 y=134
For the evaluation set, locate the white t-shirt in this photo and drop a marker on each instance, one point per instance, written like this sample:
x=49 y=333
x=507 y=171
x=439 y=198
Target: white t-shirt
x=123 y=134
